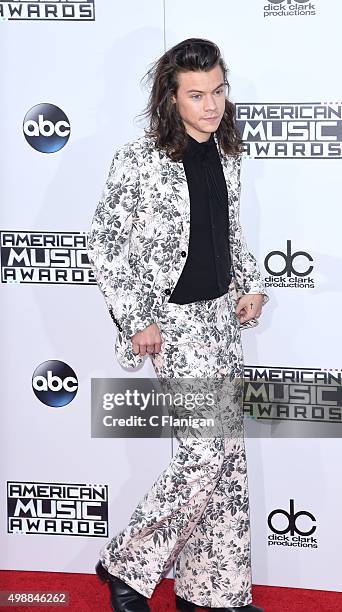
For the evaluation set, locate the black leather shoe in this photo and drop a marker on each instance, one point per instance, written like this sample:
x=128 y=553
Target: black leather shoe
x=123 y=598
x=188 y=606
x=184 y=606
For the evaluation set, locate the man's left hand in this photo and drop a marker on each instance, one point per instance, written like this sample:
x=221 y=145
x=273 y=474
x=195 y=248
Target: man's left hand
x=249 y=307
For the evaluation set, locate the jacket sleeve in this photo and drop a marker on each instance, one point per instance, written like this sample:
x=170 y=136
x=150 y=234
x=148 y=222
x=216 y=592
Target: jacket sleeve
x=126 y=296
x=246 y=269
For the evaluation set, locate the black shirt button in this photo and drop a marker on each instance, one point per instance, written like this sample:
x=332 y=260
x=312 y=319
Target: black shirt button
x=183 y=253
x=168 y=291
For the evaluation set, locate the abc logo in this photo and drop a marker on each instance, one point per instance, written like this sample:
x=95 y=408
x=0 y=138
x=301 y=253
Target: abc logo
x=291 y=521
x=46 y=128
x=288 y=258
x=54 y=383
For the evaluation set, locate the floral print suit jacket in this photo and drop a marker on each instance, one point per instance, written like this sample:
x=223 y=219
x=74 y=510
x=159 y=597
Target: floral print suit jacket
x=139 y=229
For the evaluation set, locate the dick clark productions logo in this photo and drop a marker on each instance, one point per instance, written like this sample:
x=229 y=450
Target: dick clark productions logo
x=283 y=8
x=292 y=532
x=285 y=272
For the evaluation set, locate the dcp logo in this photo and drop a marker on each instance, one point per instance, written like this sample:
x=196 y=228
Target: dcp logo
x=288 y=258
x=46 y=128
x=291 y=518
x=288 y=1
x=54 y=383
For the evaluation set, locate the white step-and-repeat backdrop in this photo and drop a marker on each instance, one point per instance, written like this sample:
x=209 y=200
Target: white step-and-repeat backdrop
x=71 y=94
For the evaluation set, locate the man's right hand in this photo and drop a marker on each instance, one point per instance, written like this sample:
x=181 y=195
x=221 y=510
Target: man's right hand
x=147 y=341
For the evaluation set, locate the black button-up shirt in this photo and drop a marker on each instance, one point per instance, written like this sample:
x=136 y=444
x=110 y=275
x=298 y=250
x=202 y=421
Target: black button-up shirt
x=206 y=274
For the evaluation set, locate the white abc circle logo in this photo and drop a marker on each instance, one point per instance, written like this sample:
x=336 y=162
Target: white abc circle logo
x=51 y=382
x=54 y=383
x=46 y=128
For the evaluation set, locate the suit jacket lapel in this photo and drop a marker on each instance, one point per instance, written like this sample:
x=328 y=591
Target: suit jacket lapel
x=179 y=184
x=228 y=169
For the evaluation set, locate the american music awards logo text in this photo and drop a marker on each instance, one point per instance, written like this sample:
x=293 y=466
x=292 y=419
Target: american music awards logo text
x=291 y=130
x=57 y=508
x=47 y=10
x=45 y=257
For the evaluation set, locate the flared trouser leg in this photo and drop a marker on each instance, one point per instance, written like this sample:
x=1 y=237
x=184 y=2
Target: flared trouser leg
x=196 y=513
x=214 y=566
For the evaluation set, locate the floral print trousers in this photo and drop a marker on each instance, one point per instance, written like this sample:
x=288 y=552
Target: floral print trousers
x=196 y=513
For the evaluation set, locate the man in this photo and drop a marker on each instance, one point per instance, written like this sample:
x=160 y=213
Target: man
x=181 y=294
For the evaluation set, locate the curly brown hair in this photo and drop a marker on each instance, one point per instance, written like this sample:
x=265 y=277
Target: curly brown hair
x=165 y=125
